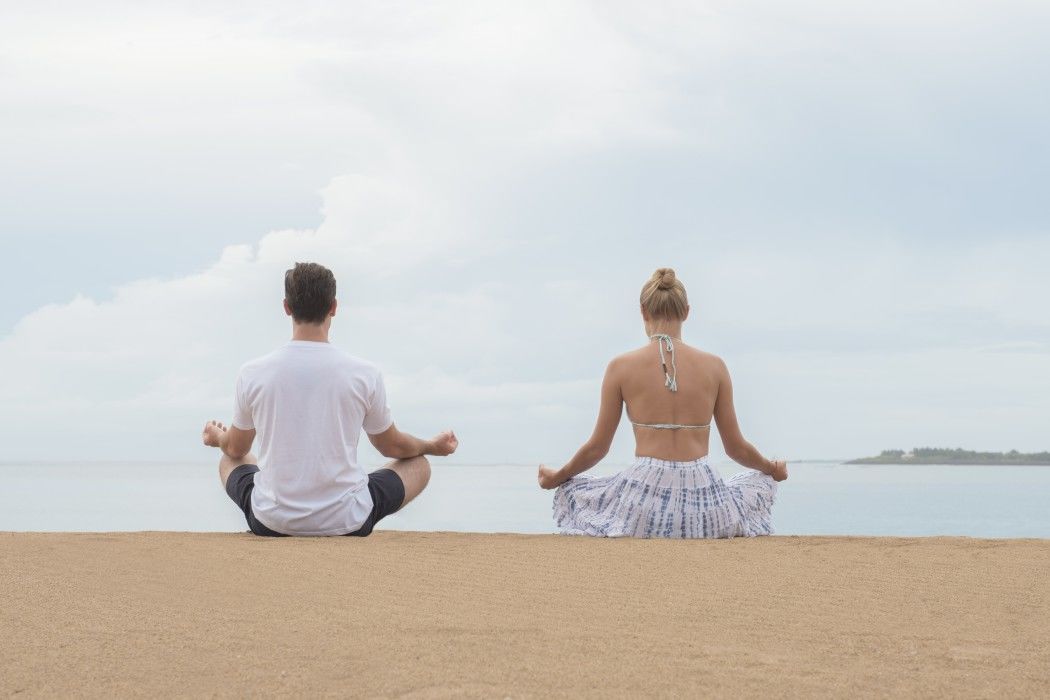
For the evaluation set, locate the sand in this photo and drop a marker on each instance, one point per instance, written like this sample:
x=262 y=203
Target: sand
x=457 y=615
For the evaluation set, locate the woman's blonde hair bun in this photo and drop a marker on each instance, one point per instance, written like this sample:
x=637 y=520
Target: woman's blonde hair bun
x=663 y=296
x=664 y=278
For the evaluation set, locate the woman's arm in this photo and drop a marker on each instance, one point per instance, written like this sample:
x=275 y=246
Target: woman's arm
x=597 y=446
x=737 y=448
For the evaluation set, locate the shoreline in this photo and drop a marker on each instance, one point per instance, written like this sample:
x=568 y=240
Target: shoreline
x=556 y=535
x=480 y=615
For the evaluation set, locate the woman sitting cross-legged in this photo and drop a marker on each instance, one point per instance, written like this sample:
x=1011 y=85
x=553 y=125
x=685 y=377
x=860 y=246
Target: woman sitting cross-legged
x=672 y=392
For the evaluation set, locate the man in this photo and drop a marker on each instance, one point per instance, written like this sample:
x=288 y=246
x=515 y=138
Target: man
x=308 y=402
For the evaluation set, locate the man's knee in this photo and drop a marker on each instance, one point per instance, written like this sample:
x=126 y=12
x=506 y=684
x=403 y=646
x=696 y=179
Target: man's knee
x=424 y=470
x=227 y=465
x=418 y=470
x=414 y=473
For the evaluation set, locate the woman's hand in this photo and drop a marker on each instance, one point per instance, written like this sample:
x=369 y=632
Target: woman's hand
x=550 y=478
x=780 y=470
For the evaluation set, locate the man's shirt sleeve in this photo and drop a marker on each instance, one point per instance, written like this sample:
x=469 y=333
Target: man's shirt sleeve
x=242 y=411
x=378 y=418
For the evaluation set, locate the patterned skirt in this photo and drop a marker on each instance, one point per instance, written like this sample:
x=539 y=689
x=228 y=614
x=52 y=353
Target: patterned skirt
x=658 y=498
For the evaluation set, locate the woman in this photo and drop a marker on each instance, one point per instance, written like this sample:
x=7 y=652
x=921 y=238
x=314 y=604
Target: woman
x=672 y=392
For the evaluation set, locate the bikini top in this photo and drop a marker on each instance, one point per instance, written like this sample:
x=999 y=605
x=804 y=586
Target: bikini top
x=671 y=382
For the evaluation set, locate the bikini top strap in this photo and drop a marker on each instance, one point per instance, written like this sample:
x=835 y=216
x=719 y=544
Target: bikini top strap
x=670 y=378
x=670 y=426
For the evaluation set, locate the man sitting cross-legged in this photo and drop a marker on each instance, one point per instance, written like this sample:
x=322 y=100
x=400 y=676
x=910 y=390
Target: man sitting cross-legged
x=308 y=403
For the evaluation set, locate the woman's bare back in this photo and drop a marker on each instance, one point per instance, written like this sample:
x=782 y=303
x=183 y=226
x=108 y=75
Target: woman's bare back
x=643 y=387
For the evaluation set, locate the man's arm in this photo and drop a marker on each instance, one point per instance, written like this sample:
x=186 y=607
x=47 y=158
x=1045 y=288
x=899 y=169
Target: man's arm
x=234 y=442
x=395 y=444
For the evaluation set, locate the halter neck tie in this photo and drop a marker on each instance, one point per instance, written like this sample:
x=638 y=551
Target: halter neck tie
x=670 y=378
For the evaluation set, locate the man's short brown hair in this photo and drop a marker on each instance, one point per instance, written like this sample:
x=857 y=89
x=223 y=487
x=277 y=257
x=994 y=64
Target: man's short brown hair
x=309 y=289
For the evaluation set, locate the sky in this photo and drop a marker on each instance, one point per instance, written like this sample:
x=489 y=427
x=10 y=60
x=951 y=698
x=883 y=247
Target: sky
x=852 y=193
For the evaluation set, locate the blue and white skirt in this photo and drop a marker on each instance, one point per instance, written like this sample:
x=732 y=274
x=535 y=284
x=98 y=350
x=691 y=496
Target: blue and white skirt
x=658 y=498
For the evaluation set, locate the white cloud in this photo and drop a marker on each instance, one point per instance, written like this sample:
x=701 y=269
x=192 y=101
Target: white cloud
x=509 y=177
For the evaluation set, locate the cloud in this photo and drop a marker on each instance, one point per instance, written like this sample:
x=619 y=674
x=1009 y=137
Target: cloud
x=850 y=197
x=825 y=359
x=123 y=370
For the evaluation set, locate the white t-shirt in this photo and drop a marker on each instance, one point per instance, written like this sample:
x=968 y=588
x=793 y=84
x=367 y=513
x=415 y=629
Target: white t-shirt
x=308 y=402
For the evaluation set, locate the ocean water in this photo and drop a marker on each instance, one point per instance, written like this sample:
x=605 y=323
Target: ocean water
x=820 y=498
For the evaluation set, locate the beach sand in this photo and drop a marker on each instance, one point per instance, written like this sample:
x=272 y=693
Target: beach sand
x=405 y=614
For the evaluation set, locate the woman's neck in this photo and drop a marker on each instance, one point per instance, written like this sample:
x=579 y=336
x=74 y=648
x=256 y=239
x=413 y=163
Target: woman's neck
x=673 y=329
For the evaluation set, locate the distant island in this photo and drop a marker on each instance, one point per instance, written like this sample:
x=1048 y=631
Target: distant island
x=937 y=455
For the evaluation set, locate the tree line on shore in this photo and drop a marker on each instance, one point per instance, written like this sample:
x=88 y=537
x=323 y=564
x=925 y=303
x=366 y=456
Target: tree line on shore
x=941 y=455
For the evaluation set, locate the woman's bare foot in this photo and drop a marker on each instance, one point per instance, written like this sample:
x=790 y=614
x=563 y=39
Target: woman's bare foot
x=212 y=433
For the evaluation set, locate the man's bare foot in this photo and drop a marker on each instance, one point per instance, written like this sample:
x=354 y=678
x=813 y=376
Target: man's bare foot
x=212 y=433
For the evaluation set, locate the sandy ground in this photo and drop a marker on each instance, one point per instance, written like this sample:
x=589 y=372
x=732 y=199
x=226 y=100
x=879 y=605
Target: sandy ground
x=450 y=615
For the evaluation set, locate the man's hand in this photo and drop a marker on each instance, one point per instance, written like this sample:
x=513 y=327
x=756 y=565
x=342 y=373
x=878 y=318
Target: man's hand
x=212 y=434
x=443 y=444
x=549 y=478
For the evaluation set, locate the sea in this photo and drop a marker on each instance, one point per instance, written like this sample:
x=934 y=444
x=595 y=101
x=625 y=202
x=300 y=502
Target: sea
x=819 y=498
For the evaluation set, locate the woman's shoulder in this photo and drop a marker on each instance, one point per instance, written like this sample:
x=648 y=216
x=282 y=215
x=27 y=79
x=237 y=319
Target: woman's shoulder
x=629 y=356
x=709 y=361
x=622 y=363
x=708 y=356
x=643 y=354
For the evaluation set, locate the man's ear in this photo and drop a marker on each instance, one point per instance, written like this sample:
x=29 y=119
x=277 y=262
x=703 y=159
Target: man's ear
x=335 y=303
x=287 y=309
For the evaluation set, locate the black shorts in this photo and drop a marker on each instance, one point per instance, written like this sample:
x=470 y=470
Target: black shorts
x=386 y=487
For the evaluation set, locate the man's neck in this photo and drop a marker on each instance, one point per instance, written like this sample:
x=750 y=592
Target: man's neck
x=316 y=332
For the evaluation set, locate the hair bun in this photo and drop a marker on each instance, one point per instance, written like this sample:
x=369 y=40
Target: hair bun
x=671 y=303
x=664 y=278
